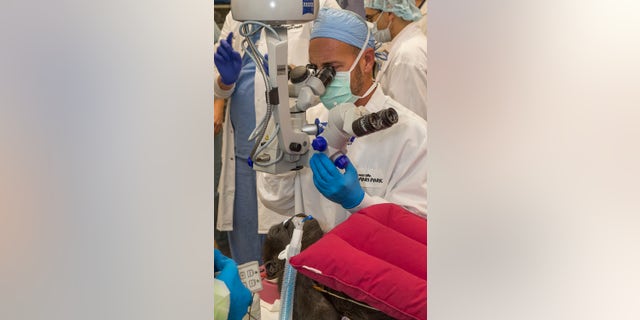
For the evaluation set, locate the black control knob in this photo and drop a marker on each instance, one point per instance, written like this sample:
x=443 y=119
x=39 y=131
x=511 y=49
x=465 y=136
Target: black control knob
x=295 y=147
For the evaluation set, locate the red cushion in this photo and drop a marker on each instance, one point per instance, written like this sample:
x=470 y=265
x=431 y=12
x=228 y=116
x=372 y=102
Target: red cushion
x=377 y=256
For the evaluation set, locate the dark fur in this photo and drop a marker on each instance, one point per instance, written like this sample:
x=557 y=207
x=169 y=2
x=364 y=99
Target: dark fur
x=308 y=303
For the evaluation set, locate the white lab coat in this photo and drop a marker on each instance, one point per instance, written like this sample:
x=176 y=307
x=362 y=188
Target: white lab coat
x=298 y=54
x=404 y=75
x=423 y=20
x=391 y=164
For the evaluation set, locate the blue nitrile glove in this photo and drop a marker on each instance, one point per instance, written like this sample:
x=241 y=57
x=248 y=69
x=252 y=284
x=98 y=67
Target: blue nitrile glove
x=343 y=188
x=228 y=61
x=239 y=294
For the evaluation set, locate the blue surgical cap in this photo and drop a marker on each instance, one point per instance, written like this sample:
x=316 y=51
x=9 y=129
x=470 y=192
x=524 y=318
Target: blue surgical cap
x=405 y=9
x=342 y=25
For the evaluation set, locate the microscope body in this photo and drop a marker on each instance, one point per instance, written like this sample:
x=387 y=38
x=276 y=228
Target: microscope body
x=283 y=146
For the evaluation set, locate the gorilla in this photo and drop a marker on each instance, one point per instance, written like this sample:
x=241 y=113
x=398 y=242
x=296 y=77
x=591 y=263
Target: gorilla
x=308 y=302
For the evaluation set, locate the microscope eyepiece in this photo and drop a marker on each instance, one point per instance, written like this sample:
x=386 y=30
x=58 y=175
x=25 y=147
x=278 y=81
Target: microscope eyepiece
x=388 y=117
x=326 y=74
x=374 y=122
x=300 y=73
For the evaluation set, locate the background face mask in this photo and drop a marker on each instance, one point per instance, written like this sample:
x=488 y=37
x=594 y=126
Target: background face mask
x=383 y=35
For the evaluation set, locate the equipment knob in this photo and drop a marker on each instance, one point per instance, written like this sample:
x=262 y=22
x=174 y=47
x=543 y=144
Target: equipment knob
x=319 y=144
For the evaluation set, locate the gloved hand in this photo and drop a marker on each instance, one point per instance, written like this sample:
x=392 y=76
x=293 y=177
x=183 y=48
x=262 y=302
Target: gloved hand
x=341 y=188
x=239 y=294
x=228 y=61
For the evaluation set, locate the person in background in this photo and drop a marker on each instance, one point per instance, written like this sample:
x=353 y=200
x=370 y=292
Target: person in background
x=382 y=49
x=237 y=79
x=352 y=5
x=220 y=237
x=403 y=75
x=342 y=40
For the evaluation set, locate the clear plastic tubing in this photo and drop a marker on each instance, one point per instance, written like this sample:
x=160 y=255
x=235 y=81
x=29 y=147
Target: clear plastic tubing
x=289 y=277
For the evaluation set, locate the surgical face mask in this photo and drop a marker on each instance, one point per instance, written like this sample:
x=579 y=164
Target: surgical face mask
x=383 y=35
x=339 y=89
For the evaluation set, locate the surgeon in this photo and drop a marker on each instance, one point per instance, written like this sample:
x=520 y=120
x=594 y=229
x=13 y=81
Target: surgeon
x=231 y=297
x=403 y=76
x=386 y=166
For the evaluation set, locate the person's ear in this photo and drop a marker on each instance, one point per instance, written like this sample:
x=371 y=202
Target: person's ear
x=369 y=60
x=391 y=17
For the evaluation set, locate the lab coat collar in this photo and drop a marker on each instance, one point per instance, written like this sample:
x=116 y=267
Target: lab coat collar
x=377 y=101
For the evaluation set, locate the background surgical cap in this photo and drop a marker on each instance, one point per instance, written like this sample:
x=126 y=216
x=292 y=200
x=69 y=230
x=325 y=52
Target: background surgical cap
x=342 y=25
x=405 y=9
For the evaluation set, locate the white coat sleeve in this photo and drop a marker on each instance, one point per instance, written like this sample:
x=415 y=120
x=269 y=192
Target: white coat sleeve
x=407 y=185
x=408 y=83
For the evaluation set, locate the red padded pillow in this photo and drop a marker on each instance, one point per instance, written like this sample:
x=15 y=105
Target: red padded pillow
x=377 y=256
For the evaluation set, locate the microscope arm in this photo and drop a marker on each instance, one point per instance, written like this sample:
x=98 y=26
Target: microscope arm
x=291 y=142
